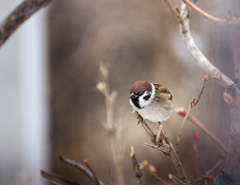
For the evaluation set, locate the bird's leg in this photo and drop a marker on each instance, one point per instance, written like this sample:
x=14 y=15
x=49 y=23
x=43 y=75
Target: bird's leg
x=158 y=138
x=138 y=116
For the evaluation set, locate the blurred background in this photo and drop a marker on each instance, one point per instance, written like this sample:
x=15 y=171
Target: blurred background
x=50 y=106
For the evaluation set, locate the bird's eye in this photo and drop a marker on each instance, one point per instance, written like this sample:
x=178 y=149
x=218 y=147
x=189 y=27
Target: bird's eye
x=147 y=97
x=140 y=93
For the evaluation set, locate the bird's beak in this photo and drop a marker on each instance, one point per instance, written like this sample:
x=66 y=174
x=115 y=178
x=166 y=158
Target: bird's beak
x=133 y=96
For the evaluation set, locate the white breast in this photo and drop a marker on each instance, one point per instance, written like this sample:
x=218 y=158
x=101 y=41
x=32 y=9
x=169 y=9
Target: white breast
x=156 y=113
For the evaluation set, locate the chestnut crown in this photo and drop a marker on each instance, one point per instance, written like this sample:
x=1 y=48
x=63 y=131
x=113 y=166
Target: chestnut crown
x=141 y=86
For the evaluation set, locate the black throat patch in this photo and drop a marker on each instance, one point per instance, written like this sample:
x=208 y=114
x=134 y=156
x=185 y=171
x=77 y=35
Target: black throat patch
x=136 y=102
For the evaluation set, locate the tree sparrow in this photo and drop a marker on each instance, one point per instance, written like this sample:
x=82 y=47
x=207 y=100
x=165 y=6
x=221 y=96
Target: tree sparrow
x=151 y=100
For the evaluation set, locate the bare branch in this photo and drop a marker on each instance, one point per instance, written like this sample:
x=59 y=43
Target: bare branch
x=181 y=127
x=169 y=151
x=145 y=126
x=22 y=12
x=192 y=104
x=153 y=172
x=92 y=171
x=175 y=180
x=56 y=179
x=215 y=166
x=197 y=156
x=80 y=167
x=231 y=20
x=137 y=167
x=197 y=55
x=163 y=145
x=182 y=112
x=207 y=131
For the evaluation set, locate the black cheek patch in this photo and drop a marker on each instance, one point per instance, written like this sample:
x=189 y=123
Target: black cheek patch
x=147 y=97
x=136 y=103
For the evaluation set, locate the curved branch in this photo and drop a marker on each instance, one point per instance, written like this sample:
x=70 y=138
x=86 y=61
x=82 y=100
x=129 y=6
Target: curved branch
x=197 y=55
x=22 y=12
x=232 y=20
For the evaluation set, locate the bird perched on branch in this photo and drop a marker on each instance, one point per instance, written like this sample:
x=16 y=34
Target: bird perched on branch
x=151 y=100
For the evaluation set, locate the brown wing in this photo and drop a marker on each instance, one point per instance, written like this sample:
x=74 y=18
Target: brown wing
x=161 y=89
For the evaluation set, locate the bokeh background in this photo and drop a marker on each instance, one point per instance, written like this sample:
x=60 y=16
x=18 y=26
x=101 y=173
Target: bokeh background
x=50 y=105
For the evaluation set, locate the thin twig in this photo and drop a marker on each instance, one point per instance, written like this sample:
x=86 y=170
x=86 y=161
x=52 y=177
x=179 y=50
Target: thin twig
x=192 y=104
x=22 y=12
x=197 y=156
x=56 y=179
x=153 y=172
x=200 y=125
x=181 y=127
x=80 y=167
x=175 y=180
x=232 y=20
x=215 y=166
x=170 y=152
x=92 y=171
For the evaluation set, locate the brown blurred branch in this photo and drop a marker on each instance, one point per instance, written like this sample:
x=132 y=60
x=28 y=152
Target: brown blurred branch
x=231 y=20
x=113 y=131
x=56 y=179
x=81 y=168
x=137 y=167
x=22 y=12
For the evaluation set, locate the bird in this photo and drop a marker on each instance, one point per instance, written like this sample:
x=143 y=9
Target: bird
x=151 y=100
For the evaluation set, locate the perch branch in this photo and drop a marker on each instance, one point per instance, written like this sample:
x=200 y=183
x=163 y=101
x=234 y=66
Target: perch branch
x=230 y=20
x=163 y=145
x=145 y=126
x=80 y=167
x=22 y=12
x=56 y=179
